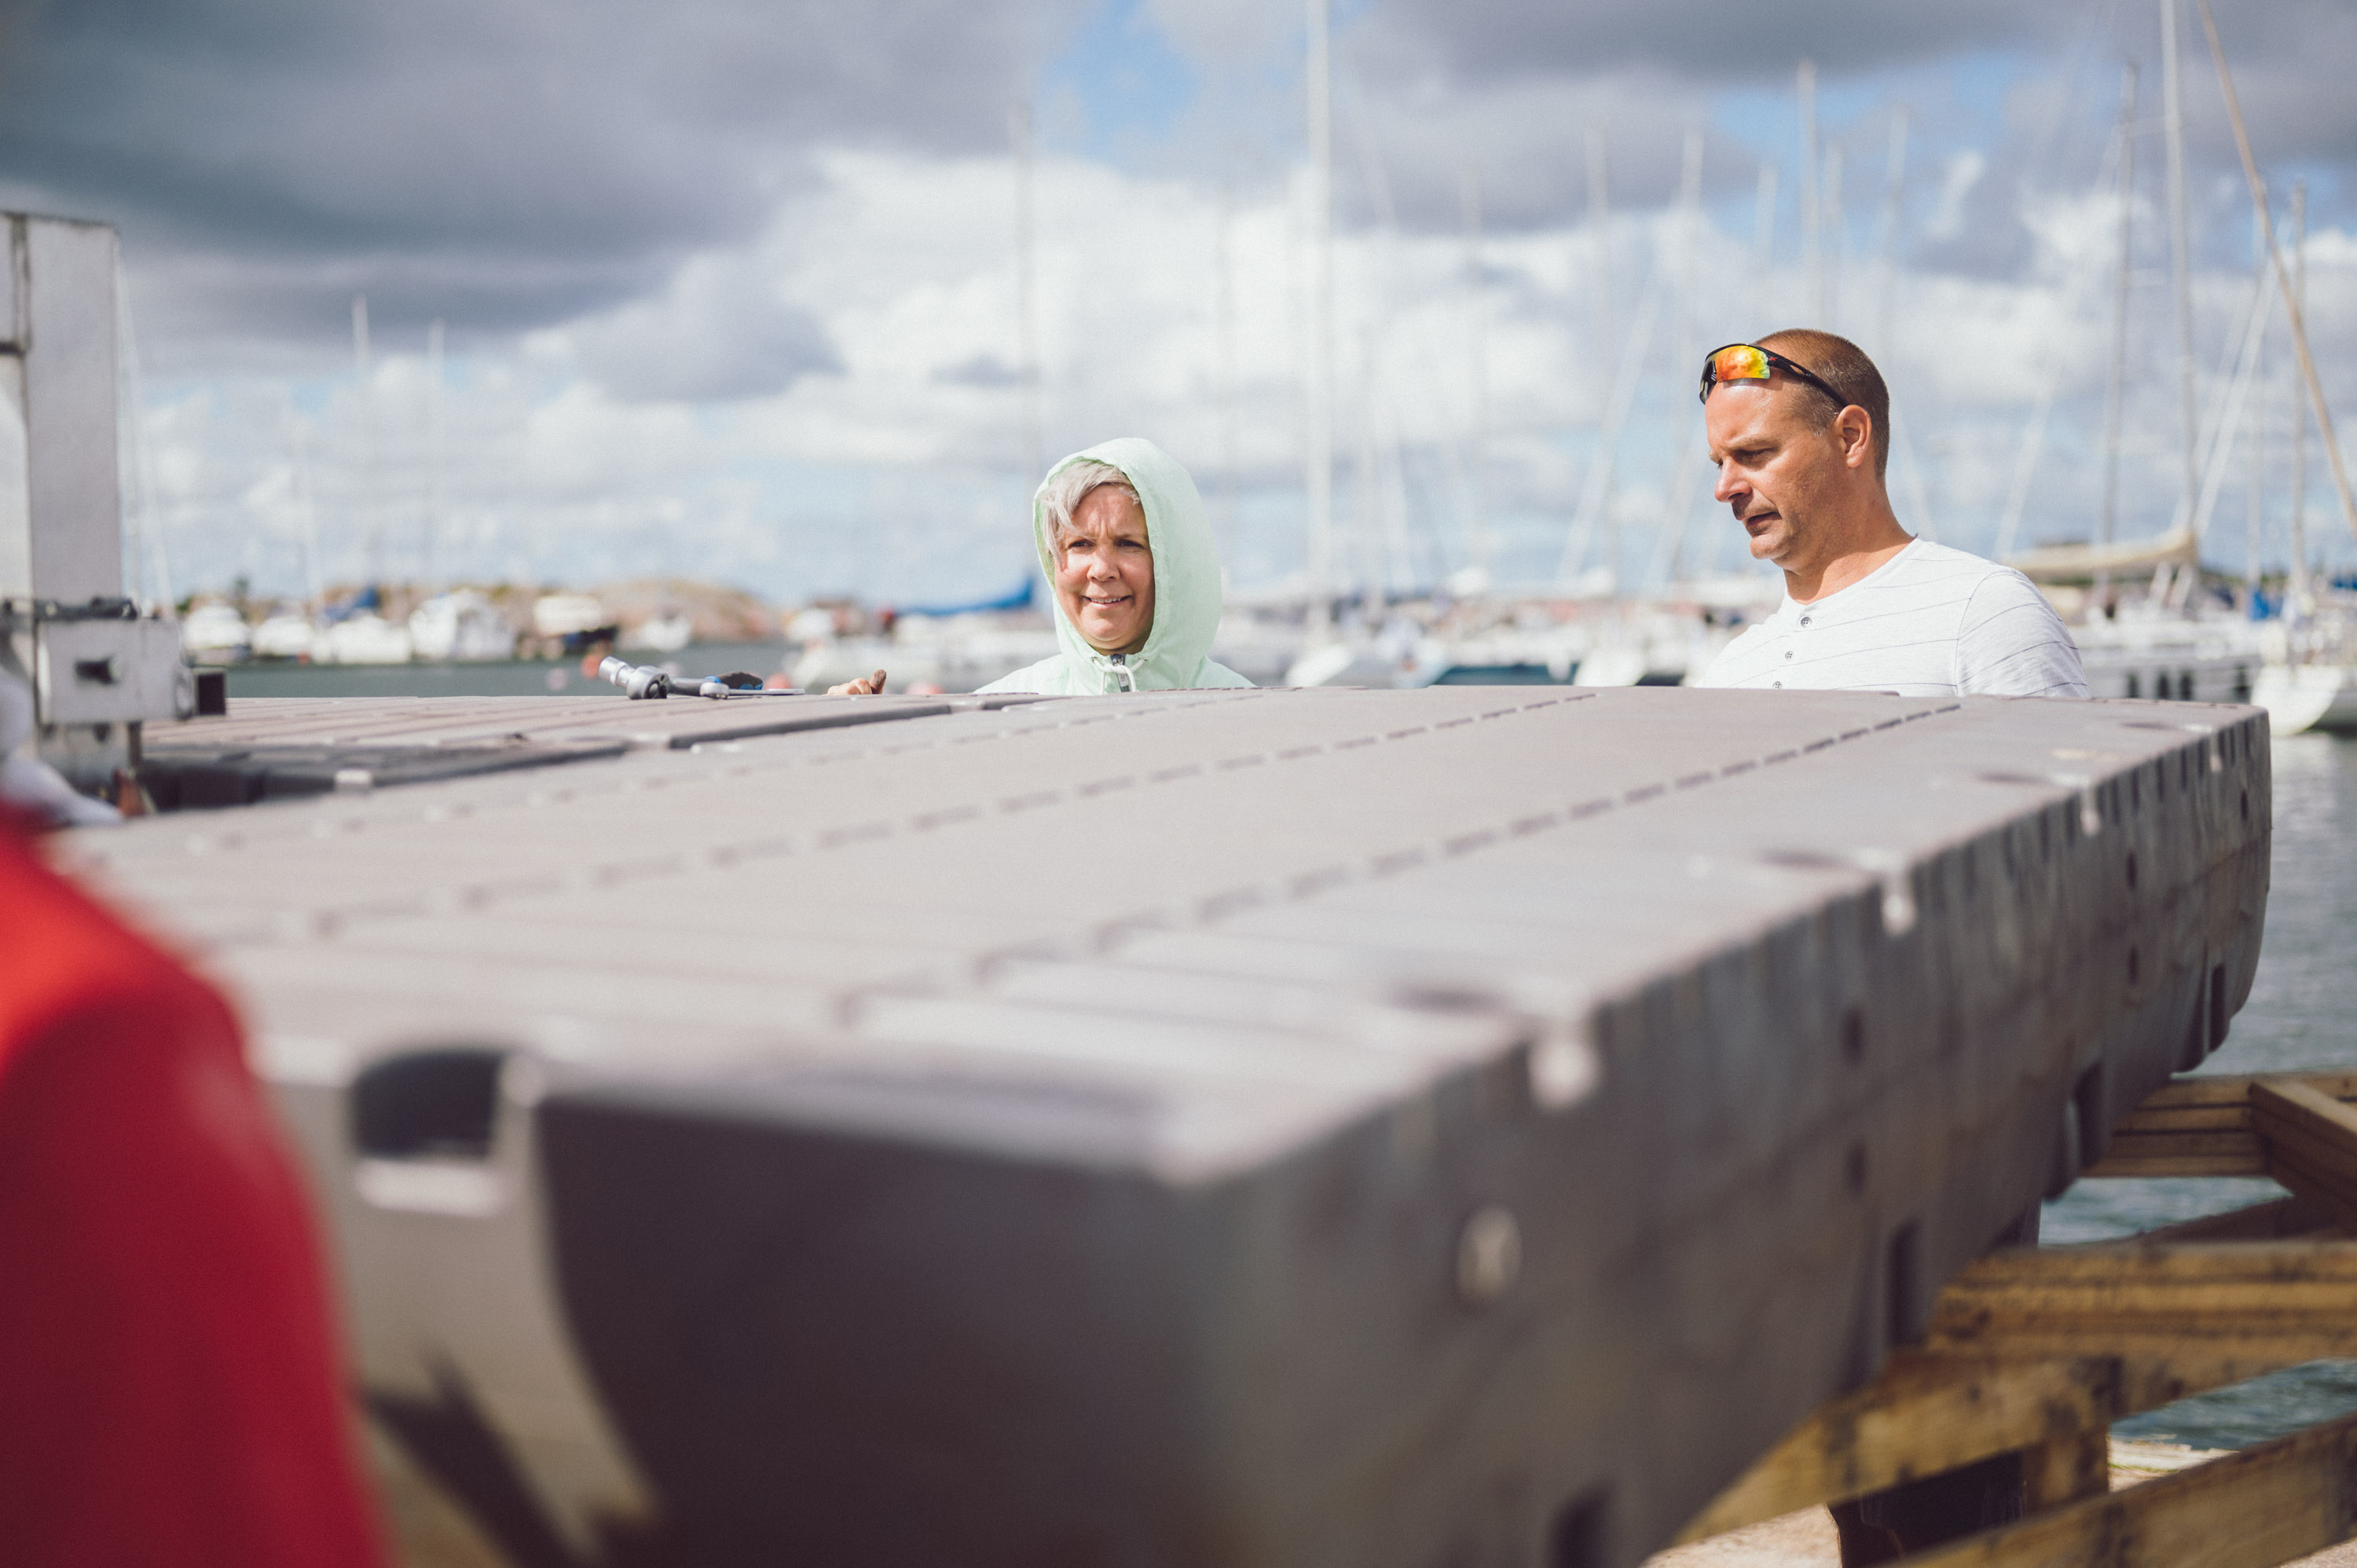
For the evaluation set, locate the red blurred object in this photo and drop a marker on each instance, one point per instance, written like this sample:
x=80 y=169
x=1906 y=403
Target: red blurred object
x=167 y=1367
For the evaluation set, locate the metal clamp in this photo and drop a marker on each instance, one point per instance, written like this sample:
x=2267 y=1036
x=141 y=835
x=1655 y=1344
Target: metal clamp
x=35 y=611
x=644 y=682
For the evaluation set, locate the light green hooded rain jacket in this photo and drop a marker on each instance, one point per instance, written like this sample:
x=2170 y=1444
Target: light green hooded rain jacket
x=1187 y=599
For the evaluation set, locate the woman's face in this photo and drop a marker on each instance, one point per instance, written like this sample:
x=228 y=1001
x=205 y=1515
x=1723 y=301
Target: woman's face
x=1104 y=571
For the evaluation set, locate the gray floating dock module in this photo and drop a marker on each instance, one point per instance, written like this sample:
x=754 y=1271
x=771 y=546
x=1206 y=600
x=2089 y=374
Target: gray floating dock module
x=1246 y=1128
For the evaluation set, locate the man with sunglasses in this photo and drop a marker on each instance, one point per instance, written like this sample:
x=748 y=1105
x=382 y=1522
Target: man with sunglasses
x=1800 y=431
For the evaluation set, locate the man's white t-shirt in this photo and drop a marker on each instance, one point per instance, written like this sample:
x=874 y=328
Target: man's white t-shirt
x=1929 y=622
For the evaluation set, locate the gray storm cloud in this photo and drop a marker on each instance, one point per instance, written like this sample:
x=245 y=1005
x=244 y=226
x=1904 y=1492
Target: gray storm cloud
x=1486 y=71
x=720 y=333
x=509 y=165
x=503 y=165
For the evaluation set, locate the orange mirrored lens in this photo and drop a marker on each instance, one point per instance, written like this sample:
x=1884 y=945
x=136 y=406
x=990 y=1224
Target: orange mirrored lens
x=1741 y=363
x=1736 y=362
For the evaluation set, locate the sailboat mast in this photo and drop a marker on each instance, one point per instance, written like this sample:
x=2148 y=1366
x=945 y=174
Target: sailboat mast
x=2297 y=597
x=314 y=599
x=2180 y=264
x=2115 y=390
x=1886 y=232
x=1600 y=229
x=1320 y=457
x=150 y=572
x=2255 y=465
x=1688 y=349
x=1477 y=373
x=1829 y=307
x=435 y=437
x=1599 y=223
x=1377 y=552
x=368 y=516
x=1026 y=297
x=2298 y=320
x=1763 y=245
x=1812 y=264
x=1223 y=331
x=1886 y=246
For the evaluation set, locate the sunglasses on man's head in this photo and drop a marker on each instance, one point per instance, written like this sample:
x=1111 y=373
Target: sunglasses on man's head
x=1750 y=362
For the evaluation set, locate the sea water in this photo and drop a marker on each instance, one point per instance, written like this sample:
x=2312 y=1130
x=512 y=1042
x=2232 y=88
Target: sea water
x=2303 y=1014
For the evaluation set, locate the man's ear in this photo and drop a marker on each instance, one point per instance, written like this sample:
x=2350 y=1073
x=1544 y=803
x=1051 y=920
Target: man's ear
x=1856 y=427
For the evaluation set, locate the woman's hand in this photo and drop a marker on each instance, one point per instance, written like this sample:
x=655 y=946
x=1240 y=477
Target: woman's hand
x=865 y=686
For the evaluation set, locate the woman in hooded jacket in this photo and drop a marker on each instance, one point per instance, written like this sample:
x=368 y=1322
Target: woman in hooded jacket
x=1133 y=573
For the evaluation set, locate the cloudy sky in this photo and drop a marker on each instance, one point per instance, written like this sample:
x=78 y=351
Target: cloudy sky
x=728 y=287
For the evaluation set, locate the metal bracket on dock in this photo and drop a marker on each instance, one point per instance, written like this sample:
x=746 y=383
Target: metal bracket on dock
x=2036 y=1350
x=96 y=671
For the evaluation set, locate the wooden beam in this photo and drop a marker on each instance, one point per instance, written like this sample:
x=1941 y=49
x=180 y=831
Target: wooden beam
x=2254 y=1510
x=2064 y=1470
x=2278 y=1220
x=2201 y=1125
x=2311 y=1140
x=2041 y=1349
x=2204 y=1305
x=1927 y=1413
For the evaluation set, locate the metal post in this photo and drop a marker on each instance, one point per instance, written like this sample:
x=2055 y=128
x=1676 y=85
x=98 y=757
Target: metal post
x=60 y=523
x=97 y=671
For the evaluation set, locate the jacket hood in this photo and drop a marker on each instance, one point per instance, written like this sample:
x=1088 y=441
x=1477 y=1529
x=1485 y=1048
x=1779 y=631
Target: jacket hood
x=1187 y=594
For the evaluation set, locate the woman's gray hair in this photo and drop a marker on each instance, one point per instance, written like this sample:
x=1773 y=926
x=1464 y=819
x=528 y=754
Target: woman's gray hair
x=1071 y=485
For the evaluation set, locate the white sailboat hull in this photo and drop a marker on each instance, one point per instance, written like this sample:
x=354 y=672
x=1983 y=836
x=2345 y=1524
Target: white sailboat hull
x=2300 y=697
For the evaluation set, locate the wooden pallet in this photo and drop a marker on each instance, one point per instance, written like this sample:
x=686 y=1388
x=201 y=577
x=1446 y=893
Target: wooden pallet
x=2039 y=1349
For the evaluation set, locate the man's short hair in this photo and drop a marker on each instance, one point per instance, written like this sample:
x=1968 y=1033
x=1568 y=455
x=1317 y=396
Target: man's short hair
x=1844 y=366
x=1071 y=485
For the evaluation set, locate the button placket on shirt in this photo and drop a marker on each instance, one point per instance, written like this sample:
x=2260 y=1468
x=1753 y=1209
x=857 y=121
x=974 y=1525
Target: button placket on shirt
x=1788 y=654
